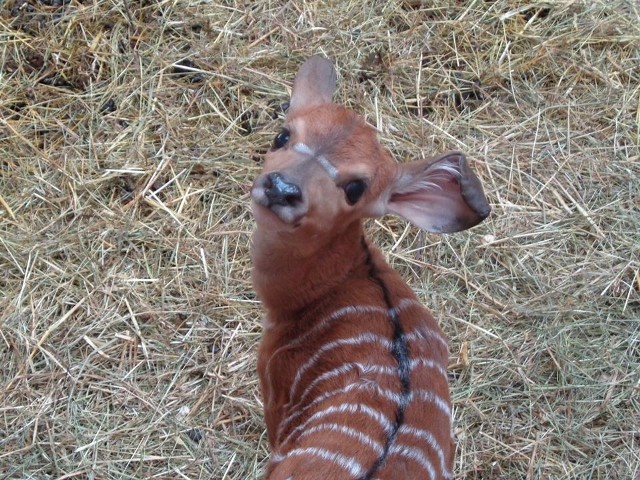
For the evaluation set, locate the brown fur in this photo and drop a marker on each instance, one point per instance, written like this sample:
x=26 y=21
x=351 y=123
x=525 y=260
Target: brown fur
x=311 y=260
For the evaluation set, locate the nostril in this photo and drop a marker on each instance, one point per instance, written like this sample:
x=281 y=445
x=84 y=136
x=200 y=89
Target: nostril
x=293 y=198
x=267 y=182
x=281 y=192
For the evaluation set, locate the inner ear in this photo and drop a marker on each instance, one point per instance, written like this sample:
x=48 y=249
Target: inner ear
x=439 y=196
x=314 y=84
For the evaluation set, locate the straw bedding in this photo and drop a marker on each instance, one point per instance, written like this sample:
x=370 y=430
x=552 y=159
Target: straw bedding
x=129 y=136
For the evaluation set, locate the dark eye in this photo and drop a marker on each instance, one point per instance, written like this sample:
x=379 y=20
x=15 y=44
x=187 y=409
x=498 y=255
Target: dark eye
x=354 y=190
x=281 y=139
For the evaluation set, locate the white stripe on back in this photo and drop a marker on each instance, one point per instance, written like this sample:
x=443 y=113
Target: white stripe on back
x=352 y=408
x=349 y=432
x=345 y=368
x=427 y=335
x=323 y=324
x=373 y=388
x=341 y=312
x=416 y=455
x=429 y=341
x=349 y=464
x=429 y=363
x=357 y=340
x=430 y=440
x=430 y=397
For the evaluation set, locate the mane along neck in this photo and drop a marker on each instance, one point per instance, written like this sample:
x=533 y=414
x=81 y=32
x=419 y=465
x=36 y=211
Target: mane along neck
x=287 y=280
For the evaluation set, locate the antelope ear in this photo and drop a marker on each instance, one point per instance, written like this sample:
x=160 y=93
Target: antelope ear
x=314 y=84
x=439 y=196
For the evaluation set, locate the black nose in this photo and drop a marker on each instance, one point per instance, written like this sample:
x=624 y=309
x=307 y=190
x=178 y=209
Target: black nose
x=281 y=192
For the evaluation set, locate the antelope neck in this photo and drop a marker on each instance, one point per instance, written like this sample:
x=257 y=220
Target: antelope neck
x=286 y=282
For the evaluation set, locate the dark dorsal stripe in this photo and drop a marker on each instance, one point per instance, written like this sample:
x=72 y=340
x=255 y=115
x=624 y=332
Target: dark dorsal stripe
x=399 y=351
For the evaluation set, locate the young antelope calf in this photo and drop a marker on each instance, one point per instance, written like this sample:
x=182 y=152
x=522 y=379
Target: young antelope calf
x=352 y=366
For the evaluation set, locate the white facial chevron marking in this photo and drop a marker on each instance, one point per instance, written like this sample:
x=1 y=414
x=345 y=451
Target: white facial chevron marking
x=330 y=169
x=304 y=149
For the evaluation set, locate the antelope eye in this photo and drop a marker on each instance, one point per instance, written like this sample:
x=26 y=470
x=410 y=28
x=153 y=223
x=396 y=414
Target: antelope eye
x=281 y=139
x=354 y=190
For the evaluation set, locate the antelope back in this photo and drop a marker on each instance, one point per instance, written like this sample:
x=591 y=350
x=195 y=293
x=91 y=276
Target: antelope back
x=362 y=391
x=352 y=367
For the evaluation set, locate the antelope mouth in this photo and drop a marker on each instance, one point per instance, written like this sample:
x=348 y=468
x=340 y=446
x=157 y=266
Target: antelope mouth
x=273 y=195
x=267 y=213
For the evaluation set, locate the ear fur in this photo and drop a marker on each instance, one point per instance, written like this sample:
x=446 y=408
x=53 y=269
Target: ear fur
x=314 y=84
x=440 y=196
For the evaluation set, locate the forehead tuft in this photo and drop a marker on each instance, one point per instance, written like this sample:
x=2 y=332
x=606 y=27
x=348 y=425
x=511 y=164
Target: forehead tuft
x=329 y=126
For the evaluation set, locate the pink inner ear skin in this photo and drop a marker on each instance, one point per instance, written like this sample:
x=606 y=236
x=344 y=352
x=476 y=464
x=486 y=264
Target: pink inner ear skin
x=443 y=196
x=435 y=213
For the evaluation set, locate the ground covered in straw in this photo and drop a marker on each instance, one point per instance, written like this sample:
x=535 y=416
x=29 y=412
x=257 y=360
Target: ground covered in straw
x=129 y=135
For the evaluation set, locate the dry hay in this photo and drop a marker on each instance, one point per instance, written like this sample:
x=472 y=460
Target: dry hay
x=129 y=135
